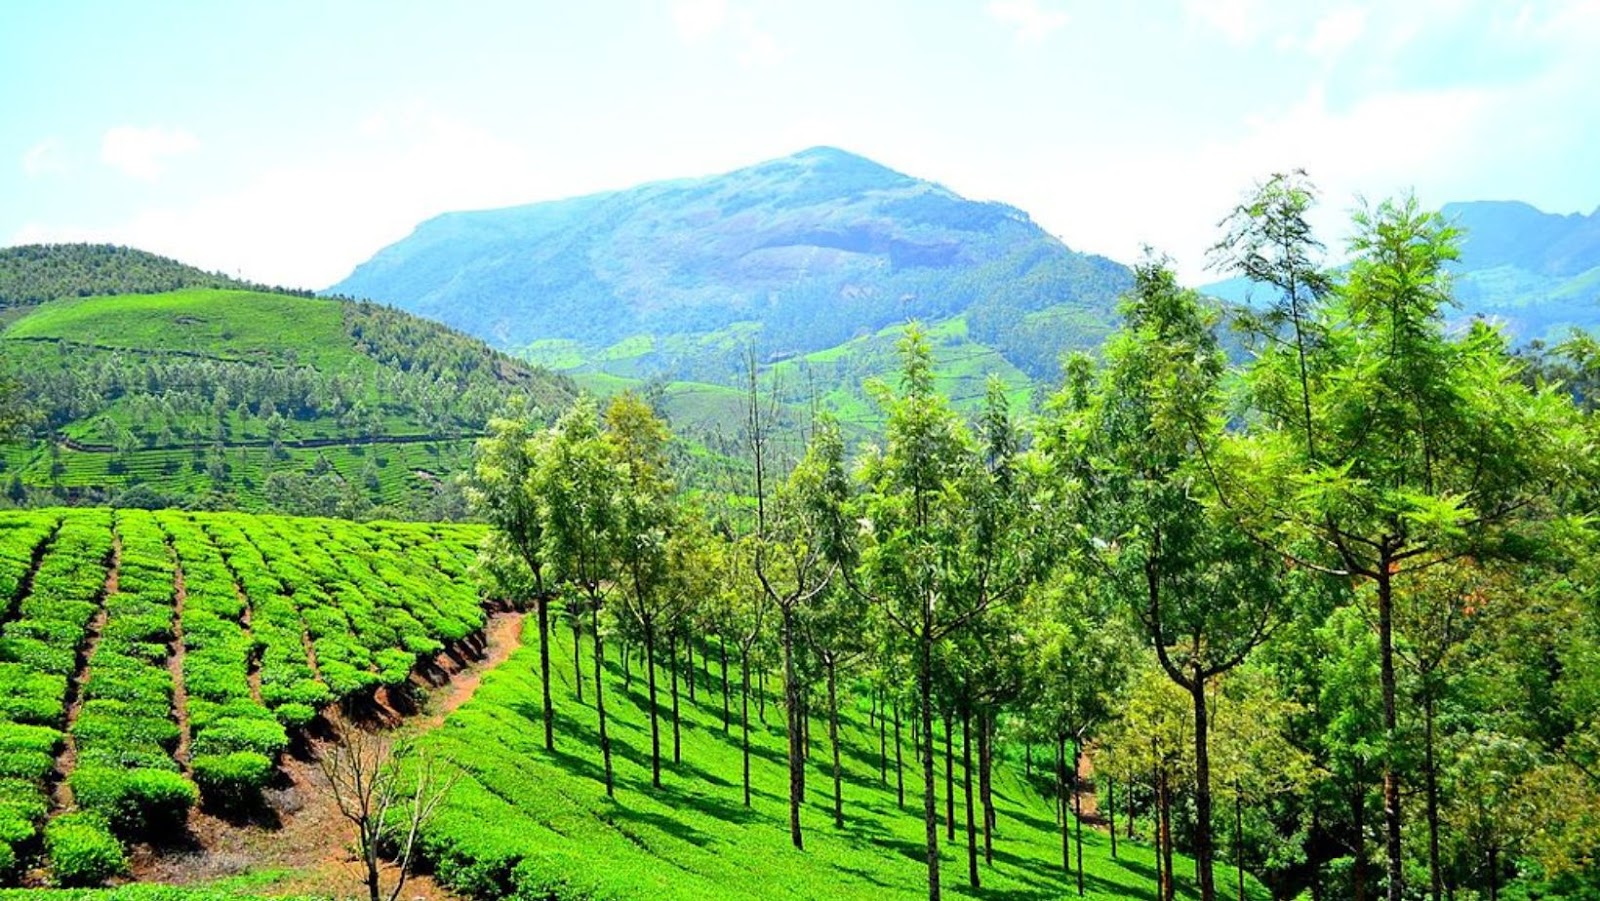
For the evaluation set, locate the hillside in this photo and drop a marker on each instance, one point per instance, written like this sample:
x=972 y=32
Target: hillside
x=34 y=273
x=794 y=255
x=256 y=400
x=538 y=824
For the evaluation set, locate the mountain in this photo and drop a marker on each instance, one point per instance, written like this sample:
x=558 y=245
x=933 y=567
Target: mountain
x=1536 y=273
x=226 y=397
x=795 y=255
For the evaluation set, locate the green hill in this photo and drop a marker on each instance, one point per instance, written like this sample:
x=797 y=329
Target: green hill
x=253 y=400
x=34 y=273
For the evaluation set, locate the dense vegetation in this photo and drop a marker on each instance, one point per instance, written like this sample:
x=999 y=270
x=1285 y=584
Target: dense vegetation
x=154 y=661
x=1326 y=615
x=34 y=273
x=243 y=399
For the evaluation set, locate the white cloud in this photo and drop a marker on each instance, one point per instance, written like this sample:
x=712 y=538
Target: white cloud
x=697 y=19
x=307 y=224
x=758 y=47
x=1031 y=22
x=1336 y=31
x=44 y=158
x=142 y=152
x=1240 y=21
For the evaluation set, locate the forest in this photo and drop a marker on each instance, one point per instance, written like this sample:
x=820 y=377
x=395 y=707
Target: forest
x=1321 y=611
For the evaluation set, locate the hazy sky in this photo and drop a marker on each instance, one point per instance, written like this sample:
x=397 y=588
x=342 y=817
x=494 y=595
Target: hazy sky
x=288 y=141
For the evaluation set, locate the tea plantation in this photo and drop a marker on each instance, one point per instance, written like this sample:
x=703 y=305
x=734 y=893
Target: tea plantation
x=150 y=662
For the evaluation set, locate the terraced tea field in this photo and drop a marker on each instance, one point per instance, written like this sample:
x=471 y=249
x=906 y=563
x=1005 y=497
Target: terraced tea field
x=150 y=662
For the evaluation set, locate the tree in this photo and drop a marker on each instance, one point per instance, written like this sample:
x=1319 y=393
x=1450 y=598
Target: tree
x=802 y=539
x=638 y=439
x=579 y=507
x=923 y=561
x=1205 y=593
x=1420 y=446
x=388 y=790
x=505 y=489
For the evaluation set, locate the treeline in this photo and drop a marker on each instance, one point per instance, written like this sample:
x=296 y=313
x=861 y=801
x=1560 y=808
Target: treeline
x=1328 y=615
x=35 y=273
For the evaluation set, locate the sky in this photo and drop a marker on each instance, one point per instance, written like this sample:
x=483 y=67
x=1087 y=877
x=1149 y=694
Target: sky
x=288 y=141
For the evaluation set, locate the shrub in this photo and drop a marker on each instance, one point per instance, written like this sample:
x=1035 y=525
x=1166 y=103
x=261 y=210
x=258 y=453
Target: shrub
x=82 y=850
x=136 y=803
x=231 y=779
x=34 y=765
x=295 y=716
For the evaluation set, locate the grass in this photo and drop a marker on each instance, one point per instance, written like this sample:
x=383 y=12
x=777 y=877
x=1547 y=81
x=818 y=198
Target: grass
x=539 y=822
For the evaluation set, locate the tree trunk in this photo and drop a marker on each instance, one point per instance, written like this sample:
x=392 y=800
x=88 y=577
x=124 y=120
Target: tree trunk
x=985 y=756
x=1127 y=794
x=761 y=694
x=672 y=661
x=1430 y=774
x=744 y=718
x=1494 y=872
x=883 y=739
x=949 y=780
x=791 y=704
x=925 y=701
x=650 y=679
x=723 y=641
x=966 y=783
x=1238 y=837
x=833 y=739
x=577 y=667
x=543 y=604
x=1061 y=803
x=600 y=697
x=688 y=649
x=899 y=762
x=1358 y=820
x=1077 y=808
x=1391 y=731
x=1203 y=850
x=1166 y=835
x=1111 y=811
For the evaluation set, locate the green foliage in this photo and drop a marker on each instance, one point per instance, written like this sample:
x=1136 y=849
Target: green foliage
x=82 y=850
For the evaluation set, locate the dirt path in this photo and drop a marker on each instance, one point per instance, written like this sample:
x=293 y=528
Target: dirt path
x=502 y=635
x=309 y=837
x=68 y=759
x=180 y=694
x=1087 y=795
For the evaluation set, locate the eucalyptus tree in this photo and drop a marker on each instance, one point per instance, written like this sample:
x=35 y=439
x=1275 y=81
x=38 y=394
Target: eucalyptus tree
x=1204 y=591
x=504 y=489
x=936 y=555
x=638 y=440
x=1421 y=445
x=803 y=538
x=582 y=515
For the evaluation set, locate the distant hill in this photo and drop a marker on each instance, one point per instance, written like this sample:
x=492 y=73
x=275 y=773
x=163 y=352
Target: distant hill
x=34 y=273
x=217 y=396
x=795 y=256
x=1536 y=273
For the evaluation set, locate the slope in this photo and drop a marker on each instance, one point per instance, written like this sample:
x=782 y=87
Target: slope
x=538 y=824
x=254 y=400
x=793 y=255
x=34 y=273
